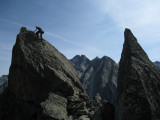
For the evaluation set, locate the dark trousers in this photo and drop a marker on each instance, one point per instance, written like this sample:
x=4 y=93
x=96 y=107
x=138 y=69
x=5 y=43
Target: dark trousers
x=39 y=32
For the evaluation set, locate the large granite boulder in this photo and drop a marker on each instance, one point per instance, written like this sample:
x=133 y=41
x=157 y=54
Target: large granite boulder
x=42 y=83
x=138 y=83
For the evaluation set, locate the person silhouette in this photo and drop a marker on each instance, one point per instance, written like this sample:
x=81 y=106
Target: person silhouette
x=39 y=31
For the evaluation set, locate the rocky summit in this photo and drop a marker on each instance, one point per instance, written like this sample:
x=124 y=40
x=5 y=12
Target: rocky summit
x=138 y=83
x=81 y=63
x=42 y=84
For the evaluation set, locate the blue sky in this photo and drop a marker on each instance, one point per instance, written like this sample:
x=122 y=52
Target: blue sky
x=89 y=27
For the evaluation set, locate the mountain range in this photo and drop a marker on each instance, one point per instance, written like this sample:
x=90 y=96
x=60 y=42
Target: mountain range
x=98 y=76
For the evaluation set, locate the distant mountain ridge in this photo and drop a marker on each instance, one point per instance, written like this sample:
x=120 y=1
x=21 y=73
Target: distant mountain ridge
x=3 y=83
x=99 y=76
x=157 y=63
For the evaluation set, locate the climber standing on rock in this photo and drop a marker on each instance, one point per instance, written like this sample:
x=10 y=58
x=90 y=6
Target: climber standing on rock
x=39 y=31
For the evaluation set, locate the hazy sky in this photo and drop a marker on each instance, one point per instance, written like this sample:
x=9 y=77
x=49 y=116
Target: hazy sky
x=89 y=27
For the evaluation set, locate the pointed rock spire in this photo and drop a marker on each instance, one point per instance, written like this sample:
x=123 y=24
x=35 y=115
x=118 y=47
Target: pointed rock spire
x=138 y=83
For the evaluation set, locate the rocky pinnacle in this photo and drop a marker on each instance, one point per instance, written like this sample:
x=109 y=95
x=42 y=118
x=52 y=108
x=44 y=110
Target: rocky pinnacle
x=42 y=84
x=138 y=83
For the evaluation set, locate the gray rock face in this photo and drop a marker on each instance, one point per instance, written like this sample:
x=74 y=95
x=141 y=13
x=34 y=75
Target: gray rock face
x=3 y=83
x=138 y=83
x=101 y=77
x=81 y=63
x=55 y=106
x=42 y=85
x=157 y=63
